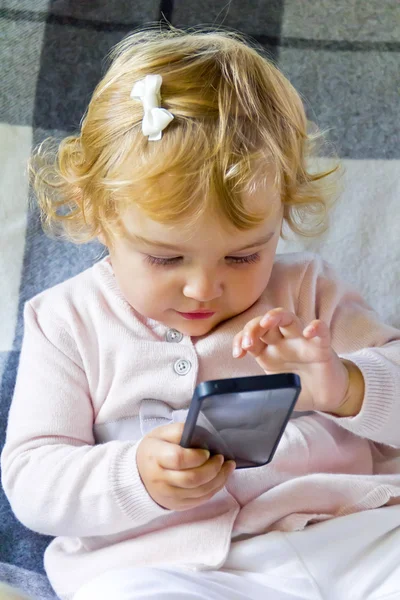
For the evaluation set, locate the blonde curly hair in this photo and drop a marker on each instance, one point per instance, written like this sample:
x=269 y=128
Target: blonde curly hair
x=236 y=117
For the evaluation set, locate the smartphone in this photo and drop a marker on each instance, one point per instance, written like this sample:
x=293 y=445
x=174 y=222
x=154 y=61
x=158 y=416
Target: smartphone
x=242 y=418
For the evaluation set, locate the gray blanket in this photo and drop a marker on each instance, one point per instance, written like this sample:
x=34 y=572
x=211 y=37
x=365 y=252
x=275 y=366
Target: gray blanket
x=343 y=56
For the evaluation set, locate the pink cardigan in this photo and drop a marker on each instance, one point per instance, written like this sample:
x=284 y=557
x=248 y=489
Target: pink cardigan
x=91 y=366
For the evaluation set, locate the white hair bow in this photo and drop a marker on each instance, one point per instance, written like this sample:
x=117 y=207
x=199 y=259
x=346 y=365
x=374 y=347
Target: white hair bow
x=155 y=119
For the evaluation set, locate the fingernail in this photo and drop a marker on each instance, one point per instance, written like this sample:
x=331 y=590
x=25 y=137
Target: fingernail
x=246 y=342
x=236 y=351
x=206 y=454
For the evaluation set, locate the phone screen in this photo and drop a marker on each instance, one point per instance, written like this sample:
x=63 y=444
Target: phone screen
x=244 y=426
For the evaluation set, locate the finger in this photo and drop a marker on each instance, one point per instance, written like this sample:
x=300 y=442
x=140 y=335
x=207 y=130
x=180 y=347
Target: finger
x=169 y=433
x=248 y=334
x=237 y=350
x=253 y=333
x=192 y=478
x=255 y=336
x=257 y=344
x=271 y=334
x=169 y=455
x=289 y=325
x=209 y=488
x=181 y=501
x=176 y=458
x=318 y=329
x=206 y=493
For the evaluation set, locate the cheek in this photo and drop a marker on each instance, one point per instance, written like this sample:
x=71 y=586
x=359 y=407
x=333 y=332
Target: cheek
x=255 y=281
x=150 y=285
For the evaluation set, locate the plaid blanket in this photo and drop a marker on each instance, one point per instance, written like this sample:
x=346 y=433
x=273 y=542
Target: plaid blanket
x=342 y=56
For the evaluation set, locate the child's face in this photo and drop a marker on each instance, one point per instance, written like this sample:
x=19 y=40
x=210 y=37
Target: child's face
x=166 y=271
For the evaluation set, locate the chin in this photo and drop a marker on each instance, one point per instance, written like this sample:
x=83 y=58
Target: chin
x=199 y=328
x=195 y=329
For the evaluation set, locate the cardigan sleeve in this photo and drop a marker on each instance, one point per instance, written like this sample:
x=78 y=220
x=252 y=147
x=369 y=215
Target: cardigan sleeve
x=358 y=335
x=57 y=480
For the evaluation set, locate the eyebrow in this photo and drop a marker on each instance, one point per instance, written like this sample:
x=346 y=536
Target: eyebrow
x=138 y=238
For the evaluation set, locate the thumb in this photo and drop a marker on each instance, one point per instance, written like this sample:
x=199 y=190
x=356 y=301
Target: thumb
x=168 y=433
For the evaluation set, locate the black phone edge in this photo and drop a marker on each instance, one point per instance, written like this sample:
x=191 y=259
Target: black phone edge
x=218 y=387
x=278 y=439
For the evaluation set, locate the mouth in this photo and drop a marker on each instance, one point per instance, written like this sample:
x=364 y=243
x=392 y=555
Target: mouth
x=198 y=314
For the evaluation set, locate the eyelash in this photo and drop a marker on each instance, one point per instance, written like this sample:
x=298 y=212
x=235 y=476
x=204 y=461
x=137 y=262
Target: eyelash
x=237 y=260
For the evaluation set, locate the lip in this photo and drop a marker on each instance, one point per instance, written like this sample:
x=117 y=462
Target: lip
x=198 y=314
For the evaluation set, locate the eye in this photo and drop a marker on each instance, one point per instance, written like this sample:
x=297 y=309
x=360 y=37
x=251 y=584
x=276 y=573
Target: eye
x=242 y=260
x=236 y=260
x=157 y=260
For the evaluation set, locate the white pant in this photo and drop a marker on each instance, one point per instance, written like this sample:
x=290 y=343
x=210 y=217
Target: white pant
x=356 y=557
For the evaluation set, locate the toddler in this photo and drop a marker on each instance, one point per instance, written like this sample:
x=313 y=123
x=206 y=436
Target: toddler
x=192 y=156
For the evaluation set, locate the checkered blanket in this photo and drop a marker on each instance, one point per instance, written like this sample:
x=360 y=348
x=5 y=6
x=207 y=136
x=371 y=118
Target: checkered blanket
x=342 y=56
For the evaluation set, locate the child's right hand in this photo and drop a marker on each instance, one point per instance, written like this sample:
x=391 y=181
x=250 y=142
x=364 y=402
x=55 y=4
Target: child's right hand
x=179 y=478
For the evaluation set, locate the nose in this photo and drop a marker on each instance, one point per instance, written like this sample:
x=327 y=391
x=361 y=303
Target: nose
x=203 y=286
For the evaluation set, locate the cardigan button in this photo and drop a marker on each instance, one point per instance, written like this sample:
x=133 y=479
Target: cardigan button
x=173 y=335
x=182 y=366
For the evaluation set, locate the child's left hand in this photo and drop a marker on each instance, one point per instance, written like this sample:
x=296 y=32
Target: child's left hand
x=280 y=344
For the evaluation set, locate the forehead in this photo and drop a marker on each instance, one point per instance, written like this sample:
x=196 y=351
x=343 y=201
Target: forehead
x=209 y=228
